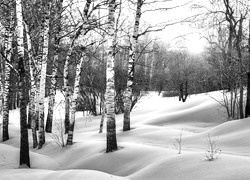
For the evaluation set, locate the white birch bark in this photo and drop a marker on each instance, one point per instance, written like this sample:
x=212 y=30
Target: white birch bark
x=131 y=69
x=67 y=86
x=8 y=52
x=38 y=59
x=1 y=86
x=110 y=81
x=32 y=110
x=41 y=134
x=74 y=102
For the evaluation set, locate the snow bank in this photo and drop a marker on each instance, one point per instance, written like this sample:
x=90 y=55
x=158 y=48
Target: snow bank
x=147 y=151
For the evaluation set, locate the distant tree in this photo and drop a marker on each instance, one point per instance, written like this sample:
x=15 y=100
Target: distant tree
x=247 y=110
x=181 y=71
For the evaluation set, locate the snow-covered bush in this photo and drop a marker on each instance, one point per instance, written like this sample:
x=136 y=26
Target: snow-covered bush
x=178 y=143
x=58 y=133
x=213 y=151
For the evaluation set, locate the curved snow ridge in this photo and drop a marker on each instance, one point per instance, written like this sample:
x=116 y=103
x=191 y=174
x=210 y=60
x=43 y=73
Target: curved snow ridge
x=130 y=158
x=194 y=165
x=230 y=127
x=21 y=174
x=230 y=137
x=9 y=158
x=206 y=112
x=170 y=104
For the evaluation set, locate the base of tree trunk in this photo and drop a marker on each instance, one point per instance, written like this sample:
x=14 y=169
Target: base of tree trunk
x=111 y=141
x=70 y=138
x=5 y=134
x=126 y=126
x=48 y=127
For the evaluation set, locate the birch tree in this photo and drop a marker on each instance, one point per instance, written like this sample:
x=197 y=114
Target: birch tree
x=74 y=101
x=66 y=65
x=66 y=80
x=24 y=144
x=72 y=106
x=131 y=67
x=39 y=57
x=110 y=89
x=7 y=57
x=41 y=134
x=55 y=65
x=32 y=111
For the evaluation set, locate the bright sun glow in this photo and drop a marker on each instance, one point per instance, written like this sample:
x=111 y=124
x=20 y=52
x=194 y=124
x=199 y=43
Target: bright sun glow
x=195 y=45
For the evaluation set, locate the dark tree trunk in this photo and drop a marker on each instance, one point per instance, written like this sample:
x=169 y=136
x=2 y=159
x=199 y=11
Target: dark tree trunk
x=247 y=110
x=49 y=121
x=239 y=50
x=181 y=92
x=66 y=121
x=103 y=113
x=185 y=94
x=24 y=144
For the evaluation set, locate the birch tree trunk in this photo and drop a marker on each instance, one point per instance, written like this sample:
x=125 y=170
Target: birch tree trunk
x=67 y=86
x=24 y=144
x=66 y=79
x=103 y=113
x=54 y=69
x=1 y=85
x=131 y=69
x=110 y=80
x=66 y=67
x=74 y=102
x=38 y=59
x=6 y=85
x=32 y=110
x=41 y=134
x=70 y=109
x=66 y=83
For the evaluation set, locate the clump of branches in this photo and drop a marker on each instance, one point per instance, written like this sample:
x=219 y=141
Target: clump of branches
x=213 y=151
x=58 y=135
x=230 y=102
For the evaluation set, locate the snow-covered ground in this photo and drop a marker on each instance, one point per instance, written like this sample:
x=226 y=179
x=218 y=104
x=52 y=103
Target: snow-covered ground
x=145 y=152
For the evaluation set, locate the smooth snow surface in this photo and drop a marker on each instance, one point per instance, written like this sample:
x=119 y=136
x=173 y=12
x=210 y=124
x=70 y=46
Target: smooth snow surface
x=145 y=152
